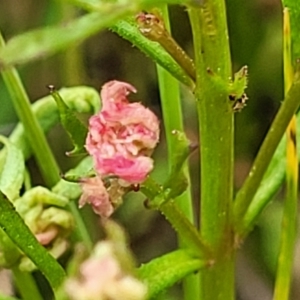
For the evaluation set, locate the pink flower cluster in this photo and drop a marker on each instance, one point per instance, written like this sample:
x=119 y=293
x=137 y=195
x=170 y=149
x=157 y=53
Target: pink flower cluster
x=102 y=277
x=121 y=138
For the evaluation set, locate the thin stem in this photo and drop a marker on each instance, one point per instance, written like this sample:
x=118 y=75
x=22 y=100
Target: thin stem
x=81 y=229
x=289 y=222
x=188 y=234
x=173 y=120
x=35 y=136
x=213 y=66
x=26 y=285
x=266 y=151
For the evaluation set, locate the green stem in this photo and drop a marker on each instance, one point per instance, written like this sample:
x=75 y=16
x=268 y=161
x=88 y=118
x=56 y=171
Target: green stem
x=213 y=66
x=81 y=229
x=287 y=242
x=172 y=116
x=35 y=136
x=289 y=221
x=188 y=234
x=26 y=285
x=173 y=120
x=245 y=195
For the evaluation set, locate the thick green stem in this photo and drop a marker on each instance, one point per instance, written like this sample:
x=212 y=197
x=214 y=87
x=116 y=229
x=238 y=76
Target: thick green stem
x=213 y=68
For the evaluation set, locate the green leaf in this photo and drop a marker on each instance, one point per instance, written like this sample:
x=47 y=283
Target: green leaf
x=294 y=7
x=155 y=51
x=239 y=84
x=11 y=170
x=163 y=272
x=176 y=182
x=41 y=43
x=44 y=42
x=75 y=128
x=81 y=99
x=72 y=190
x=3 y=297
x=271 y=182
x=9 y=253
x=13 y=225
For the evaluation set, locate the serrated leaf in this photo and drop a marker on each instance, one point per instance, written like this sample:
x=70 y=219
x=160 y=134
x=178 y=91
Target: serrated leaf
x=12 y=170
x=163 y=272
x=12 y=224
x=74 y=127
x=239 y=84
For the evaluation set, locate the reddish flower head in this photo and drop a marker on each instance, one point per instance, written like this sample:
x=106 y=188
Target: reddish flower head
x=122 y=135
x=95 y=194
x=121 y=138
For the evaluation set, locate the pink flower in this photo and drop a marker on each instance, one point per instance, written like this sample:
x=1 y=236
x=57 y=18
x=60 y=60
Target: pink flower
x=121 y=138
x=101 y=277
x=123 y=135
x=96 y=194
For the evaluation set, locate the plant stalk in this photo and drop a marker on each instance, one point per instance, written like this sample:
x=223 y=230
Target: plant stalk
x=289 y=221
x=213 y=67
x=26 y=285
x=173 y=120
x=37 y=140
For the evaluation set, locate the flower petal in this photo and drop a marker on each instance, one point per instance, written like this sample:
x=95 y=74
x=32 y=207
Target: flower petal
x=95 y=194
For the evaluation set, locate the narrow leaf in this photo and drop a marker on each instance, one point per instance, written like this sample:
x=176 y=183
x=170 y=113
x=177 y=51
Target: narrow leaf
x=176 y=182
x=288 y=234
x=72 y=190
x=11 y=170
x=75 y=128
x=270 y=184
x=294 y=8
x=155 y=51
x=14 y=226
x=44 y=42
x=163 y=272
x=81 y=99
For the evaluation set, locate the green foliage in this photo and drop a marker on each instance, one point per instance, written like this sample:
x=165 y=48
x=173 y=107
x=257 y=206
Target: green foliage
x=13 y=225
x=74 y=127
x=216 y=141
x=12 y=170
x=176 y=182
x=128 y=30
x=81 y=99
x=41 y=43
x=163 y=272
x=294 y=7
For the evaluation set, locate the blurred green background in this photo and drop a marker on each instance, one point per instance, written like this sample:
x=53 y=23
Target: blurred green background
x=256 y=41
